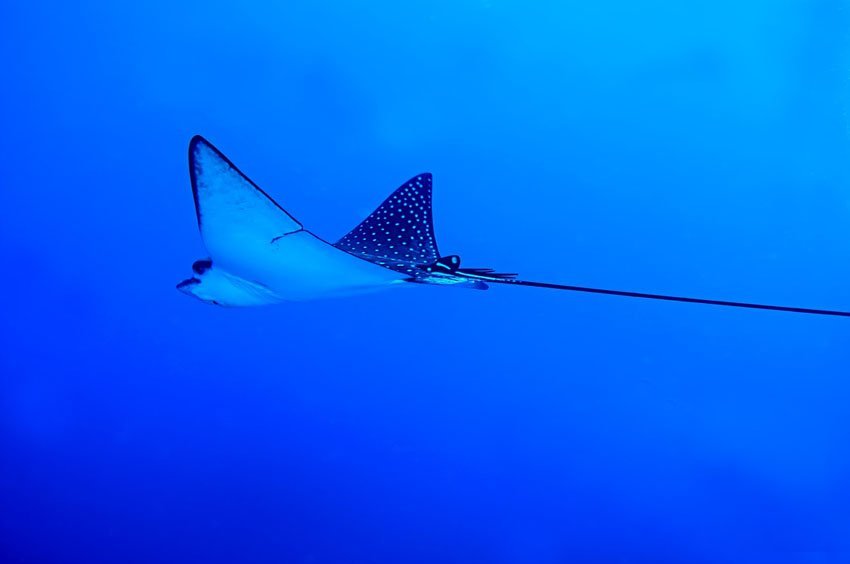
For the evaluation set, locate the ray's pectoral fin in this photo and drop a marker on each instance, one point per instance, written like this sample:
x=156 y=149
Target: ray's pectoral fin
x=399 y=234
x=233 y=213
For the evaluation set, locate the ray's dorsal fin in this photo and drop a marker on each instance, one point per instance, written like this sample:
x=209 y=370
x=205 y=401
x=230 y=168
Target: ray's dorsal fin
x=447 y=265
x=400 y=229
x=451 y=265
x=232 y=211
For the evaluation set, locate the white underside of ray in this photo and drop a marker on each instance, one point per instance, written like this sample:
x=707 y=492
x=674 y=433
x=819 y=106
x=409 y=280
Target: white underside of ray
x=233 y=213
x=300 y=266
x=260 y=254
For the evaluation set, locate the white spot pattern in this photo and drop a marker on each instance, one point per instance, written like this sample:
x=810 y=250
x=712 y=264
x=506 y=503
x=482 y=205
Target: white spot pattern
x=384 y=237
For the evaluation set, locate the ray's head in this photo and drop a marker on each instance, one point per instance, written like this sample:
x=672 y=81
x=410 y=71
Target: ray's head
x=234 y=216
x=215 y=286
x=199 y=285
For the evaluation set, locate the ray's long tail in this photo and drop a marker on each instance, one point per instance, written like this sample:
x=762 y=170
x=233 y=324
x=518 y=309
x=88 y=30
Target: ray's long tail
x=667 y=298
x=451 y=265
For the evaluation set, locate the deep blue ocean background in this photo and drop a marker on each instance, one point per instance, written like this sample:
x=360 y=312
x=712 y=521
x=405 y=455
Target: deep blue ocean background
x=697 y=148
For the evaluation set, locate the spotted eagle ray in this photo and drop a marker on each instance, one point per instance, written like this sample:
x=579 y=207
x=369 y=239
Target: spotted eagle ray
x=259 y=254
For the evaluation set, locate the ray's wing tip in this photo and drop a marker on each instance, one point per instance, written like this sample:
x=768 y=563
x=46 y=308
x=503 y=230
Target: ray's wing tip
x=198 y=144
x=202 y=152
x=426 y=177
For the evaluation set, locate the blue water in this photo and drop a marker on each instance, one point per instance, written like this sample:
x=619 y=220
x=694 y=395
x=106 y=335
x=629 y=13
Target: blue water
x=695 y=148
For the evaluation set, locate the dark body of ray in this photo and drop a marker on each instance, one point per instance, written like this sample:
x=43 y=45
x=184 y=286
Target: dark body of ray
x=399 y=235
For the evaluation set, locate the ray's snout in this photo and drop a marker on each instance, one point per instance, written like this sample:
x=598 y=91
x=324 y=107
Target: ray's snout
x=186 y=285
x=191 y=285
